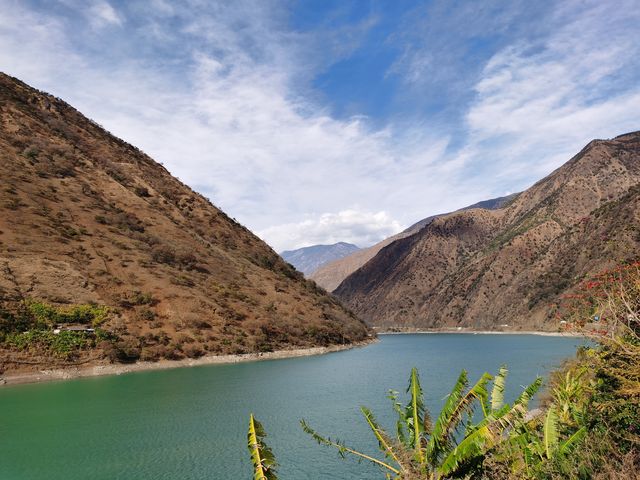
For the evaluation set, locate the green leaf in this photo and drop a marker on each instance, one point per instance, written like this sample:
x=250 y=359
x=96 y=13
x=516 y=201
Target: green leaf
x=470 y=447
x=385 y=443
x=401 y=422
x=264 y=463
x=486 y=434
x=550 y=432
x=451 y=415
x=568 y=445
x=527 y=394
x=342 y=448
x=497 y=393
x=415 y=415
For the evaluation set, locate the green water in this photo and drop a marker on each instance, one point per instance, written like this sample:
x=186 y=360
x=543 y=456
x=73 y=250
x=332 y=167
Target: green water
x=190 y=423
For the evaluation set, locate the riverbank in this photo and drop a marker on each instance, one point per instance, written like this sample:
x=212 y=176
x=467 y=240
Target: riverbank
x=68 y=373
x=487 y=332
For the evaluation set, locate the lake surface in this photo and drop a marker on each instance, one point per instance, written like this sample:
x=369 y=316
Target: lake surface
x=190 y=423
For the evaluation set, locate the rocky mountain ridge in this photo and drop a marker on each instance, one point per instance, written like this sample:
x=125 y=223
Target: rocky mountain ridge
x=88 y=221
x=309 y=259
x=485 y=268
x=330 y=275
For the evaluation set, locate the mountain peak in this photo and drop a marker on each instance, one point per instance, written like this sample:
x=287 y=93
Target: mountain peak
x=476 y=268
x=331 y=274
x=86 y=218
x=309 y=259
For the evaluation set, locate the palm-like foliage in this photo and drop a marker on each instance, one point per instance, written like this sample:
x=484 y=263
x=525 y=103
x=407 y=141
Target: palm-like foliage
x=533 y=445
x=264 y=463
x=450 y=446
x=497 y=393
x=570 y=396
x=499 y=419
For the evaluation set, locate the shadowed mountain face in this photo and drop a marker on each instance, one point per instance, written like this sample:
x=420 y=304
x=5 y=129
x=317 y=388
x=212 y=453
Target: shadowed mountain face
x=330 y=275
x=309 y=259
x=87 y=218
x=484 y=268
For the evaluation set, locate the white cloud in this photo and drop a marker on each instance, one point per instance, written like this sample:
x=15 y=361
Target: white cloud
x=355 y=226
x=100 y=14
x=536 y=107
x=236 y=129
x=223 y=99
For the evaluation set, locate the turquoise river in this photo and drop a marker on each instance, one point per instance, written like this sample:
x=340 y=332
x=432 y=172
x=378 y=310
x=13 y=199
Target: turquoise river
x=190 y=423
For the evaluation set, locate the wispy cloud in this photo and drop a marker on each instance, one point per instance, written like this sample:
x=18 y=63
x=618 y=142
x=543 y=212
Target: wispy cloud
x=236 y=126
x=445 y=44
x=538 y=104
x=223 y=95
x=101 y=13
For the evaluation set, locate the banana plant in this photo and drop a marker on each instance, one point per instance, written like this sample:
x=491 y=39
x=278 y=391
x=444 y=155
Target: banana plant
x=570 y=396
x=428 y=450
x=499 y=422
x=552 y=437
x=264 y=464
x=552 y=447
x=532 y=446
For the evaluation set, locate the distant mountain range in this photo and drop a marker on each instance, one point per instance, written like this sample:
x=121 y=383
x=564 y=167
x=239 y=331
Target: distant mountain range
x=484 y=268
x=331 y=274
x=86 y=218
x=309 y=259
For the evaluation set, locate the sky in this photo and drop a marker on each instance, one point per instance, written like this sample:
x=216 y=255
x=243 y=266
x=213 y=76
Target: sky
x=319 y=121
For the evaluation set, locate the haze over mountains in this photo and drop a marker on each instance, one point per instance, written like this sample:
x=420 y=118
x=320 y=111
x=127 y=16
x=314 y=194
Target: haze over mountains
x=484 y=268
x=331 y=274
x=87 y=218
x=309 y=259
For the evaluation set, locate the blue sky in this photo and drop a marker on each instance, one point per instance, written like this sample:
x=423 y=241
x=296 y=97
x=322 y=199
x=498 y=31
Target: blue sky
x=323 y=121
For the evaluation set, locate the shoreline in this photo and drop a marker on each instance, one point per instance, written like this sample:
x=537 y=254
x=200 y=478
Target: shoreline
x=103 y=369
x=70 y=373
x=541 y=333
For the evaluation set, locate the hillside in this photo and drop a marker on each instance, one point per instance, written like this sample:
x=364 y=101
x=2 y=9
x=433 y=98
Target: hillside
x=329 y=276
x=486 y=268
x=94 y=231
x=309 y=259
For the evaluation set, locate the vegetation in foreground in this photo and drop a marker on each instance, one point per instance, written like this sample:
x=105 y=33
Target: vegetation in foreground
x=588 y=426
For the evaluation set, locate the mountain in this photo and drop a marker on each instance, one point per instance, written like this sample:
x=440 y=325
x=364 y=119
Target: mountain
x=308 y=259
x=485 y=268
x=92 y=229
x=329 y=276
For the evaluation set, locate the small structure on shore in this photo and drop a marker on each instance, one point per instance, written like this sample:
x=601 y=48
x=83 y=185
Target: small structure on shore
x=73 y=328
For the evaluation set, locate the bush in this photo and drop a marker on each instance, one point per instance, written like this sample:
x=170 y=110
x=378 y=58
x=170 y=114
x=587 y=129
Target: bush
x=128 y=221
x=146 y=315
x=193 y=351
x=45 y=315
x=64 y=344
x=14 y=322
x=132 y=299
x=163 y=254
x=127 y=349
x=142 y=192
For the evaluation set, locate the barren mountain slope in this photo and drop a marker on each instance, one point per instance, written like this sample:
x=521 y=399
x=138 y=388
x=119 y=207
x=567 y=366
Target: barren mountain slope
x=510 y=266
x=87 y=218
x=330 y=275
x=309 y=259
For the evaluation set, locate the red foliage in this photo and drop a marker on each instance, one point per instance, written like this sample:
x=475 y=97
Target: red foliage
x=606 y=299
